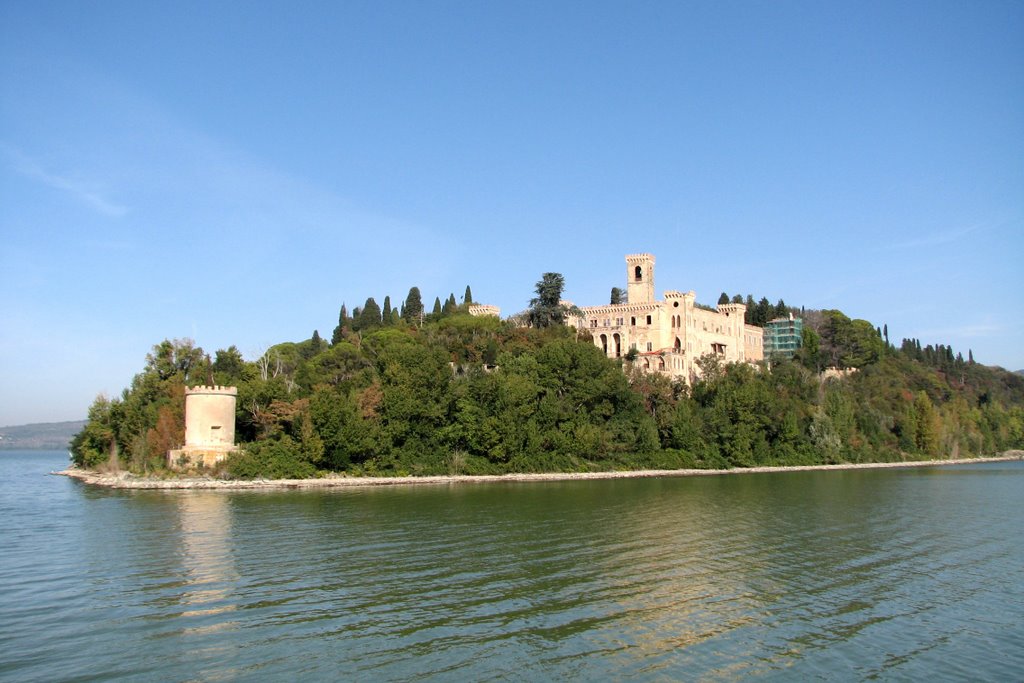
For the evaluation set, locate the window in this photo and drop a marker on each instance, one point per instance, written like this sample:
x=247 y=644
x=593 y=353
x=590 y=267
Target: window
x=632 y=321
x=638 y=273
x=593 y=323
x=618 y=321
x=650 y=346
x=607 y=322
x=648 y=320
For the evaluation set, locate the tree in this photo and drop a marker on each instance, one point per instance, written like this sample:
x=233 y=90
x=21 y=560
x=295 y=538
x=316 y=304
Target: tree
x=781 y=310
x=467 y=298
x=437 y=307
x=546 y=309
x=738 y=299
x=412 y=309
x=369 y=316
x=339 y=331
x=751 y=314
x=618 y=296
x=764 y=311
x=449 y=305
x=228 y=366
x=386 y=313
x=723 y=298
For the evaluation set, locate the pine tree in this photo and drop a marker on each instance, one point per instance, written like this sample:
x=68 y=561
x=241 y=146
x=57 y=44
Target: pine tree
x=885 y=333
x=738 y=299
x=467 y=298
x=723 y=298
x=437 y=306
x=617 y=296
x=751 y=314
x=546 y=308
x=781 y=309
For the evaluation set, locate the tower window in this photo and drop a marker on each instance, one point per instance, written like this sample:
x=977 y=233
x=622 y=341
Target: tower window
x=638 y=273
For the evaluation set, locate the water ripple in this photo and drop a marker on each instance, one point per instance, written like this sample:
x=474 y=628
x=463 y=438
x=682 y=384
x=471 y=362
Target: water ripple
x=819 y=575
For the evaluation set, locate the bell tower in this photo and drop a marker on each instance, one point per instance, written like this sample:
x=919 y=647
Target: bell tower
x=640 y=278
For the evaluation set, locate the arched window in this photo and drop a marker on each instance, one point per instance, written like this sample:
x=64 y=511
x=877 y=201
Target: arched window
x=638 y=273
x=604 y=343
x=618 y=344
x=679 y=345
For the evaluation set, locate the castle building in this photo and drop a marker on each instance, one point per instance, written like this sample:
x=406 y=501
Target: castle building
x=669 y=335
x=209 y=427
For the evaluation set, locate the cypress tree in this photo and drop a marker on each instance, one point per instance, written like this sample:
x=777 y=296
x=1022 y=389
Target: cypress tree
x=738 y=299
x=437 y=306
x=412 y=310
x=449 y=305
x=468 y=296
x=723 y=298
x=386 y=313
x=339 y=331
x=369 y=317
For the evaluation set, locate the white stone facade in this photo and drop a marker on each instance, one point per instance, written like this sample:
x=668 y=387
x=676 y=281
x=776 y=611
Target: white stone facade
x=672 y=334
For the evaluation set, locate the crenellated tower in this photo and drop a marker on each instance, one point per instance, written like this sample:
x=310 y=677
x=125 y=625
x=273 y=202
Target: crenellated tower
x=209 y=427
x=640 y=278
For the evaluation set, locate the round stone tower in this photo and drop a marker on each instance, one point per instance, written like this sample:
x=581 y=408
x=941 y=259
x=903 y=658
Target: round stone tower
x=209 y=427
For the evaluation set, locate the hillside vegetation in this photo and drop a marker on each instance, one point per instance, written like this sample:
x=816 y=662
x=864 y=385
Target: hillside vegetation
x=449 y=393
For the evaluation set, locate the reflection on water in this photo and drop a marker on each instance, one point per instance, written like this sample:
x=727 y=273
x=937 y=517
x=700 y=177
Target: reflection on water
x=205 y=524
x=855 y=575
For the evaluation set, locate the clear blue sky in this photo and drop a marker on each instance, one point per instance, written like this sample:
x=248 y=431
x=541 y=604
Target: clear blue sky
x=233 y=172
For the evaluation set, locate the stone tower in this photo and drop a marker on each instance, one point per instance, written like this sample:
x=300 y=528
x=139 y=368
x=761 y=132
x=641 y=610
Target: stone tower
x=209 y=427
x=640 y=278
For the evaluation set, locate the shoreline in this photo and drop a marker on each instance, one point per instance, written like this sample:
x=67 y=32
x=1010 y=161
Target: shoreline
x=125 y=480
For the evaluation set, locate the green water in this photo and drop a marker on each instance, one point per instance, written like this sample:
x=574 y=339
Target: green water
x=851 y=575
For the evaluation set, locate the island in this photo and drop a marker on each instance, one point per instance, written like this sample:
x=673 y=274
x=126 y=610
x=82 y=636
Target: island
x=638 y=385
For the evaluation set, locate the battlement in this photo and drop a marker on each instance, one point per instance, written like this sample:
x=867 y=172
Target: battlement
x=224 y=391
x=636 y=258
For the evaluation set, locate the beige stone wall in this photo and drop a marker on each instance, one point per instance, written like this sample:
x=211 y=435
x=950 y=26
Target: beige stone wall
x=484 y=309
x=672 y=334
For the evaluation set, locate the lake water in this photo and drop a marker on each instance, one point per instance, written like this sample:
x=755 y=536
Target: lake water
x=849 y=575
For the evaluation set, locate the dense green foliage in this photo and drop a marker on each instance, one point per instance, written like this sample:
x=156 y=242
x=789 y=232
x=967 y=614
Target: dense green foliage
x=451 y=393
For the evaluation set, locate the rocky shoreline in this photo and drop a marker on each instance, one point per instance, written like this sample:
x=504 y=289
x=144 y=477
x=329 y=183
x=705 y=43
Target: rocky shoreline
x=126 y=480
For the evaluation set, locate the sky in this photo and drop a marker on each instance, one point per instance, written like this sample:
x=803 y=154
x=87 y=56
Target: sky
x=232 y=172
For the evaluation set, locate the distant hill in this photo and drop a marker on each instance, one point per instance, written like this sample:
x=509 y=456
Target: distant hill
x=44 y=436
